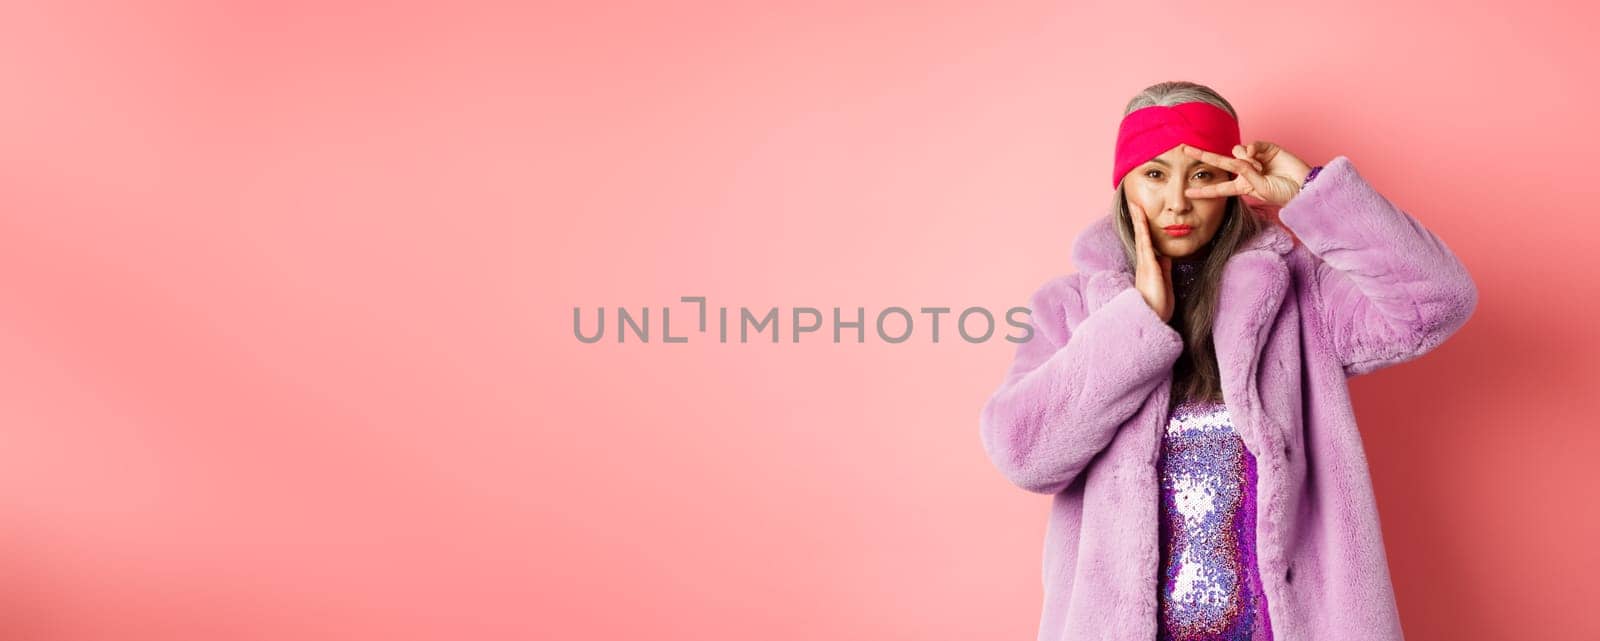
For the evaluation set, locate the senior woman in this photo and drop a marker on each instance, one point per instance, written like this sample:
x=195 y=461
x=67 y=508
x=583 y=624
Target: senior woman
x=1184 y=396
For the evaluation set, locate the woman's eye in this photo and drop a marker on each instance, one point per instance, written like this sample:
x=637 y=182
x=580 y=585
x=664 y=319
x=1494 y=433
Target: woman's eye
x=1207 y=175
x=1153 y=174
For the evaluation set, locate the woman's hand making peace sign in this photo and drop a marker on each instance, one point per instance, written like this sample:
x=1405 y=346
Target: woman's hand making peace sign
x=1264 y=170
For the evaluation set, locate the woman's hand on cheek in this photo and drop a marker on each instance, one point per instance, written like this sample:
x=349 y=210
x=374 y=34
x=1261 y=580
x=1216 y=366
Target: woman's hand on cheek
x=1152 y=273
x=1262 y=169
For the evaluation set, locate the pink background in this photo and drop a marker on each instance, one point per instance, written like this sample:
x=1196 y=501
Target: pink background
x=288 y=289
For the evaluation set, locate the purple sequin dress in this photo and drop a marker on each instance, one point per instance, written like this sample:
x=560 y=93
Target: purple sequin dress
x=1210 y=585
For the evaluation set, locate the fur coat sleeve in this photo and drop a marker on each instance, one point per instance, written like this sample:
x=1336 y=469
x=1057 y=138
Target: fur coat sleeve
x=1071 y=386
x=1386 y=289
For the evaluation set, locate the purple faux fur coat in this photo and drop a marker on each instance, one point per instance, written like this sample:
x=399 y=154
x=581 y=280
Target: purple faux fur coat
x=1080 y=413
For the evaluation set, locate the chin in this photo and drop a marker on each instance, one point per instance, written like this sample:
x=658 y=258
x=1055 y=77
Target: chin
x=1182 y=248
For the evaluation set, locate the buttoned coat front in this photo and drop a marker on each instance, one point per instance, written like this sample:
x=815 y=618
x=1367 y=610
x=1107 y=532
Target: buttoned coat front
x=1079 y=416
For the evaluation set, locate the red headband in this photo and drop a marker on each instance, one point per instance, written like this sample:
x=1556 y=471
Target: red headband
x=1151 y=131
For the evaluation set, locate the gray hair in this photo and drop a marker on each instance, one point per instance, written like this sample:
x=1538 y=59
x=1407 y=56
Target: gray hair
x=1177 y=92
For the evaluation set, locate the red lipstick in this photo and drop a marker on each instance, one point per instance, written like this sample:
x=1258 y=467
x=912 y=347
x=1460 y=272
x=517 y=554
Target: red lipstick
x=1178 y=230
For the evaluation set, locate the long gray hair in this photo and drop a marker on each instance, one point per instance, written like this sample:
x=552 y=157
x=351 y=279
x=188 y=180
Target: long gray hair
x=1195 y=375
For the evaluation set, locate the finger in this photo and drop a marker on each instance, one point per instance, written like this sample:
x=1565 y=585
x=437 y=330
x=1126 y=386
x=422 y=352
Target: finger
x=1235 y=187
x=1141 y=234
x=1234 y=165
x=1250 y=178
x=1238 y=166
x=1140 y=230
x=1265 y=150
x=1247 y=154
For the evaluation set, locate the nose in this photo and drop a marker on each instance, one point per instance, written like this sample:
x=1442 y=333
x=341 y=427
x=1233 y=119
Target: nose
x=1177 y=203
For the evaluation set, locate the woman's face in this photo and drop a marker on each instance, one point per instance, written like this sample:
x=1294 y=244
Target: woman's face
x=1158 y=185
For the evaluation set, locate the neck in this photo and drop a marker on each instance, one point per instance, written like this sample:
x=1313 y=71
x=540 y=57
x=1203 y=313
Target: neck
x=1186 y=271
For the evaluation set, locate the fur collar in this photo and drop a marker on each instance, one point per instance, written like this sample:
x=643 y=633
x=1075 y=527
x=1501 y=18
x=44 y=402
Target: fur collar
x=1255 y=283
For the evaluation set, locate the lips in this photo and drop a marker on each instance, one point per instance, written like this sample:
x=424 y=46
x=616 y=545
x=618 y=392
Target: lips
x=1178 y=230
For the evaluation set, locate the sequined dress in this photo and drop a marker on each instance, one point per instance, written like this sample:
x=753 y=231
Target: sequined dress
x=1210 y=586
